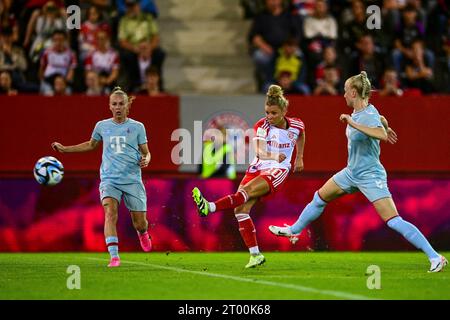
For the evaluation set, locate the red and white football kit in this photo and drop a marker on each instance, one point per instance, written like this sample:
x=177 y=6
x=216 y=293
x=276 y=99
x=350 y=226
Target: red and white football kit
x=280 y=141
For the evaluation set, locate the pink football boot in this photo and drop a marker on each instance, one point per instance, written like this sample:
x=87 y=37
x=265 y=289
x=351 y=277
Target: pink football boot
x=146 y=242
x=115 y=262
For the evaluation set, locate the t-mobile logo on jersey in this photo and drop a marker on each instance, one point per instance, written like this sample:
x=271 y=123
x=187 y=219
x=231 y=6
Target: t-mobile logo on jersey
x=117 y=143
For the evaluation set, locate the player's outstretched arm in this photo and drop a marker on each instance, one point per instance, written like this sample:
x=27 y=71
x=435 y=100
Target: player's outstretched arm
x=82 y=147
x=392 y=136
x=298 y=166
x=377 y=132
x=145 y=155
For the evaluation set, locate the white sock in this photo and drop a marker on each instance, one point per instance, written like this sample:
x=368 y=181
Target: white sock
x=212 y=206
x=254 y=250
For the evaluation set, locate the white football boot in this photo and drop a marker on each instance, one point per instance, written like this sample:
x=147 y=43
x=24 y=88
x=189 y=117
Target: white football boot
x=284 y=232
x=438 y=264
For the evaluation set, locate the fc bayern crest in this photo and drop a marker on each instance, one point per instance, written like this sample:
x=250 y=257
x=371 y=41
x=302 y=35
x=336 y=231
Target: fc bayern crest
x=227 y=120
x=236 y=126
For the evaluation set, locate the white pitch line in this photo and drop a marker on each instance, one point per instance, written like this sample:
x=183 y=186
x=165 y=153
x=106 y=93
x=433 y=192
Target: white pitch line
x=338 y=294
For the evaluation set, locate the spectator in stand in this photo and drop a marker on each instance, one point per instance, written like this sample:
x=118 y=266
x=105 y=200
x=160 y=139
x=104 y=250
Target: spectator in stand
x=390 y=84
x=411 y=29
x=151 y=85
x=42 y=24
x=284 y=80
x=144 y=60
x=367 y=59
x=147 y=6
x=355 y=28
x=391 y=19
x=290 y=61
x=419 y=69
x=302 y=8
x=437 y=40
x=135 y=28
x=331 y=83
x=89 y=29
x=56 y=60
x=104 y=61
x=421 y=13
x=320 y=30
x=93 y=85
x=446 y=49
x=60 y=87
x=329 y=59
x=438 y=27
x=268 y=32
x=6 y=86
x=8 y=20
x=12 y=59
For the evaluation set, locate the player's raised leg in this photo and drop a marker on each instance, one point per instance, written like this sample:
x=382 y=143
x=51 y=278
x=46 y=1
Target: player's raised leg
x=329 y=191
x=388 y=212
x=248 y=233
x=140 y=223
x=111 y=208
x=253 y=189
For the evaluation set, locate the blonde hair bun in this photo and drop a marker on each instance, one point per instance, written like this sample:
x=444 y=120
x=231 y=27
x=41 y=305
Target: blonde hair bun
x=275 y=97
x=117 y=89
x=275 y=91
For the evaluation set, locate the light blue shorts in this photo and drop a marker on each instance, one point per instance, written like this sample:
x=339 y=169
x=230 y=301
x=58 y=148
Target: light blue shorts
x=134 y=195
x=373 y=186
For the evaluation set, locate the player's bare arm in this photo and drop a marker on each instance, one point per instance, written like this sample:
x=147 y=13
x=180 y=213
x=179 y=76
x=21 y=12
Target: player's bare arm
x=298 y=166
x=392 y=136
x=82 y=147
x=263 y=154
x=145 y=155
x=377 y=133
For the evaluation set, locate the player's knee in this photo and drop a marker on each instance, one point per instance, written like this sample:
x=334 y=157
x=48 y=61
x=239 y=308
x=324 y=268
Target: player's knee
x=140 y=223
x=241 y=209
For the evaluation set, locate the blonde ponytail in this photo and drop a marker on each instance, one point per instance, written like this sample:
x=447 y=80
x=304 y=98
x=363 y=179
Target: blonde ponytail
x=362 y=85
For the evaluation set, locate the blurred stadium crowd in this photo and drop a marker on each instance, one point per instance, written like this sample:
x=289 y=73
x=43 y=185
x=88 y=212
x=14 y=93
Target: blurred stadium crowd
x=307 y=46
x=117 y=44
x=311 y=46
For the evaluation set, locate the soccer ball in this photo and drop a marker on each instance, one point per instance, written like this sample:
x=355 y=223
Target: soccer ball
x=48 y=171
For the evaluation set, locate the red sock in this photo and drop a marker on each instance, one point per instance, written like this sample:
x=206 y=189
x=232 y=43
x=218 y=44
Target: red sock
x=231 y=201
x=248 y=232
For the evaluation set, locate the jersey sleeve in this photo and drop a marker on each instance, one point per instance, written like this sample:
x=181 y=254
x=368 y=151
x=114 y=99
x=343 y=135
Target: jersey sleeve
x=261 y=130
x=371 y=120
x=96 y=134
x=142 y=135
x=297 y=124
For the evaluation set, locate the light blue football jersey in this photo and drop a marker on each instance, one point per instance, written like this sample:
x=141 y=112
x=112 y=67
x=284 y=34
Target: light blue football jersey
x=121 y=155
x=364 y=151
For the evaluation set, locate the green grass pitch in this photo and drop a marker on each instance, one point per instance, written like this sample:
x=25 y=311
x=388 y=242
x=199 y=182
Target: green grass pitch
x=221 y=276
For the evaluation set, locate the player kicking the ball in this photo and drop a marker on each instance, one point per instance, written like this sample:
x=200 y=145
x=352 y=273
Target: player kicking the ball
x=125 y=152
x=277 y=136
x=364 y=172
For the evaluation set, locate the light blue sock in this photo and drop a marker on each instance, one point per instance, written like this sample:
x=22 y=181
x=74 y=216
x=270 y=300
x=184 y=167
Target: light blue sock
x=413 y=235
x=113 y=246
x=311 y=212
